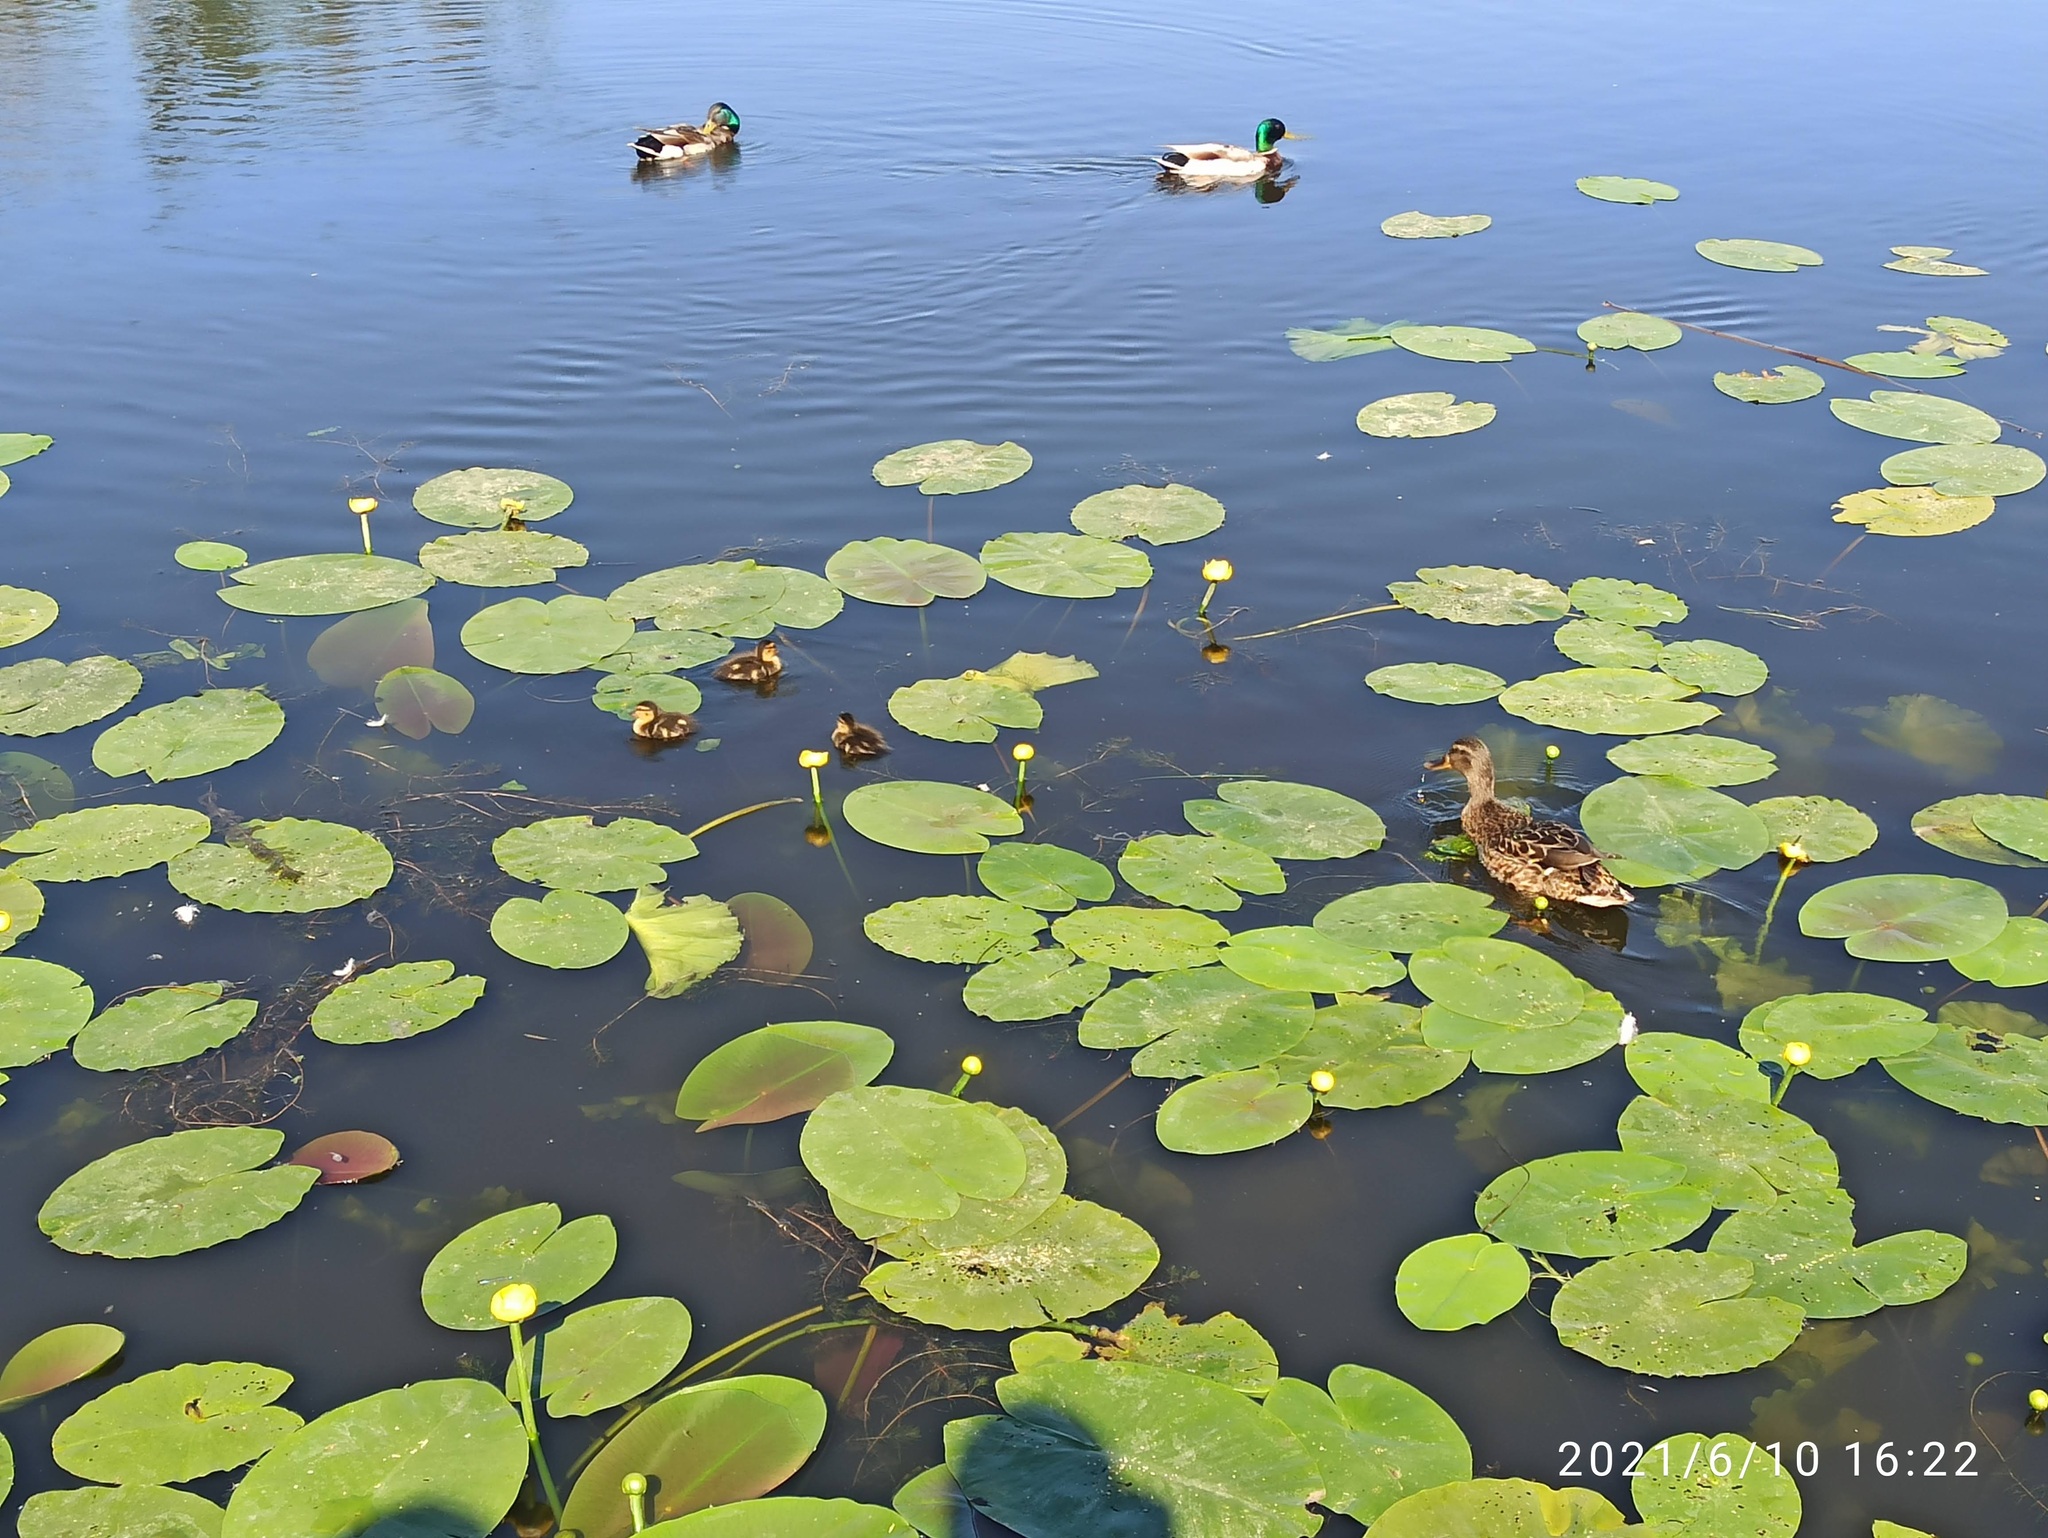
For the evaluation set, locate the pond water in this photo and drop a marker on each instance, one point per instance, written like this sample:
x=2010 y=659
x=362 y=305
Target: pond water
x=261 y=257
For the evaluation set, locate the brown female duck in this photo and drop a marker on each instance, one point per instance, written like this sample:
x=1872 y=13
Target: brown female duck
x=1541 y=858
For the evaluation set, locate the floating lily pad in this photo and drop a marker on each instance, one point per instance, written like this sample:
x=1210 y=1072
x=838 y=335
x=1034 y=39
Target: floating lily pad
x=2018 y=958
x=1629 y=328
x=792 y=1516
x=24 y=614
x=1967 y=469
x=684 y=942
x=524 y=635
x=1198 y=870
x=1692 y=1486
x=600 y=1357
x=564 y=929
x=1953 y=334
x=1435 y=683
x=40 y=788
x=1409 y=916
x=1159 y=515
x=908 y=573
x=1032 y=671
x=1739 y=1151
x=1626 y=189
x=1673 y=826
x=1772 y=387
x=1697 y=760
x=1415 y=225
x=417 y=701
x=1608 y=701
x=1044 y=876
x=1197 y=1020
x=108 y=1511
x=209 y=555
x=1592 y=1204
x=42 y=1006
x=476 y=498
x=1223 y=1349
x=1468 y=1279
x=1994 y=1075
x=778 y=942
x=1286 y=821
x=323 y=584
x=1065 y=565
x=911 y=1153
x=974 y=930
x=1905 y=918
x=395 y=1002
x=1804 y=1249
x=57 y=1357
x=1670 y=1313
x=173 y=1194
x=15 y=447
x=1481 y=595
x=1908 y=365
x=1599 y=643
x=1036 y=985
x=619 y=693
x=1296 y=956
x=582 y=856
x=979 y=1221
x=290 y=865
x=1374 y=1051
x=192 y=736
x=964 y=709
x=1928 y=262
x=780 y=1070
x=1497 y=981
x=929 y=816
x=1354 y=338
x=1675 y=1068
x=1845 y=1030
x=1496 y=1047
x=664 y=651
x=1918 y=418
x=501 y=558
x=1714 y=667
x=169 y=1427
x=954 y=465
x=1140 y=939
x=1460 y=344
x=21 y=909
x=560 y=1261
x=104 y=841
x=344 y=1158
x=1826 y=829
x=1426 y=414
x=162 y=1025
x=1621 y=602
x=1510 y=1508
x=42 y=697
x=2020 y=823
x=1913 y=511
x=1758 y=255
x=1231 y=1112
x=728 y=598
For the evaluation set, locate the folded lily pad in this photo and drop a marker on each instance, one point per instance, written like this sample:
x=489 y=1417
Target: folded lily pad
x=685 y=942
x=781 y=1070
x=1826 y=829
x=1599 y=643
x=1696 y=759
x=1140 y=939
x=289 y=865
x=159 y=1026
x=1608 y=701
x=907 y=573
x=524 y=635
x=1905 y=918
x=1199 y=870
x=395 y=1002
x=1044 y=876
x=24 y=614
x=951 y=466
x=1481 y=595
x=1376 y=1053
x=477 y=498
x=1626 y=189
x=209 y=555
x=531 y=1244
x=1232 y=1112
x=576 y=852
x=192 y=736
x=323 y=584
x=1454 y=1283
x=1772 y=387
x=2020 y=823
x=177 y=1425
x=1629 y=328
x=501 y=557
x=1427 y=414
x=1287 y=821
x=1915 y=512
x=104 y=841
x=1461 y=344
x=1918 y=418
x=1159 y=515
x=418 y=701
x=1928 y=262
x=964 y=709
x=1409 y=916
x=1804 y=1249
x=929 y=816
x=42 y=1006
x=1034 y=985
x=174 y=1194
x=1435 y=683
x=1758 y=255
x=42 y=697
x=1592 y=1204
x=564 y=929
x=974 y=930
x=1415 y=225
x=1197 y=1020
x=1967 y=469
x=911 y=1153
x=1065 y=565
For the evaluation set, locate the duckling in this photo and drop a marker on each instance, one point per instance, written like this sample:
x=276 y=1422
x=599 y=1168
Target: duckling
x=653 y=724
x=1549 y=859
x=855 y=741
x=721 y=128
x=762 y=665
x=1201 y=162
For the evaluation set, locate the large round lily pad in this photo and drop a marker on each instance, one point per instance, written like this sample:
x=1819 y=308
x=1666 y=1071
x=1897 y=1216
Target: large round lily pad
x=1714 y=667
x=780 y=1070
x=964 y=709
x=1481 y=595
x=42 y=1006
x=194 y=735
x=1623 y=702
x=951 y=466
x=1461 y=344
x=395 y=1002
x=1197 y=1020
x=560 y=1261
x=1967 y=470
x=1844 y=1030
x=907 y=573
x=43 y=696
x=1622 y=602
x=170 y=1427
x=1673 y=826
x=579 y=854
x=291 y=865
x=1288 y=821
x=1673 y=1314
x=1198 y=870
x=1140 y=939
x=1435 y=683
x=1409 y=916
x=478 y=498
x=1758 y=255
x=169 y=1195
x=1804 y=1249
x=1373 y=1437
x=1426 y=414
x=1036 y=985
x=1592 y=1204
x=1044 y=876
x=710 y=597
x=1231 y=1112
x=1599 y=643
x=1629 y=328
x=104 y=841
x=1696 y=759
x=1297 y=956
x=501 y=557
x=1467 y=1279
x=564 y=929
x=1905 y=918
x=1828 y=830
x=1994 y=1075
x=929 y=816
x=1497 y=981
x=1772 y=387
x=111 y=1511
x=1703 y=1487
x=563 y=635
x=1065 y=565
x=1626 y=189
x=323 y=584
x=911 y=1153
x=1159 y=515
x=1917 y=417
x=162 y=1025
x=1375 y=1052
x=974 y=930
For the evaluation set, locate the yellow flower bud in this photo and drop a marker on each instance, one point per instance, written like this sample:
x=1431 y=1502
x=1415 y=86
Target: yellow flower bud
x=813 y=758
x=1794 y=852
x=633 y=1484
x=1798 y=1053
x=1216 y=652
x=511 y=507
x=362 y=507
x=2037 y=1401
x=1023 y=752
x=514 y=1302
x=970 y=1065
x=6 y=922
x=1539 y=902
x=1218 y=570
x=1322 y=1081
x=1552 y=750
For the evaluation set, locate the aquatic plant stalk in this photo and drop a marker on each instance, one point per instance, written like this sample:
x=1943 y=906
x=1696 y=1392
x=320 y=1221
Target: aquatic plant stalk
x=1310 y=624
x=745 y=811
x=512 y=1305
x=1023 y=753
x=634 y=1488
x=860 y=1362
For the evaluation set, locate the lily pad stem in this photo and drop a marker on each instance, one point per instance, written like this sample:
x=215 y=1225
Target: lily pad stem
x=1787 y=1073
x=522 y=1374
x=758 y=806
x=1785 y=869
x=1545 y=1268
x=860 y=1362
x=1310 y=624
x=782 y=1340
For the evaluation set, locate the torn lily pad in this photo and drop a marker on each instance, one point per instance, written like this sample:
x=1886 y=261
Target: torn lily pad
x=685 y=941
x=1428 y=414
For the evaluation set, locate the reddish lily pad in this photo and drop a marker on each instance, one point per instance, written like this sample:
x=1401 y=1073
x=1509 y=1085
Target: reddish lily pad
x=343 y=1158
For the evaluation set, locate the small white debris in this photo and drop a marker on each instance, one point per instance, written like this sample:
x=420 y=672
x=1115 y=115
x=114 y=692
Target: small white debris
x=346 y=970
x=378 y=721
x=982 y=788
x=1324 y=455
x=186 y=913
x=1628 y=1031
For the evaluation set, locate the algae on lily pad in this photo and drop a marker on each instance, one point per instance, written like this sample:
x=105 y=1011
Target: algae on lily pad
x=1967 y=469
x=323 y=584
x=1140 y=939
x=1065 y=565
x=42 y=1007
x=1435 y=683
x=1197 y=1020
x=1696 y=759
x=1232 y=1111
x=1672 y=1314
x=1758 y=255
x=579 y=854
x=951 y=466
x=1460 y=344
x=974 y=930
x=1629 y=328
x=1288 y=821
x=685 y=942
x=1772 y=387
x=480 y=498
x=43 y=696
x=905 y=573
x=1481 y=595
x=600 y=1357
x=1905 y=918
x=929 y=816
x=1199 y=870
x=1917 y=417
x=1741 y=1152
x=1599 y=643
x=1425 y=414
x=160 y=1026
x=1914 y=512
x=1626 y=189
x=1224 y=1349
x=1454 y=1283
x=1844 y=1030
x=1995 y=1075
x=531 y=1244
x=563 y=635
x=1159 y=515
x=1034 y=985
x=1044 y=876
x=392 y=1003
x=103 y=841
x=1409 y=916
x=1592 y=1204
x=24 y=614
x=563 y=929
x=781 y=1070
x=1608 y=701
x=1415 y=225
x=501 y=557
x=192 y=736
x=964 y=709
x=911 y=1153
x=1804 y=1249
x=1674 y=826
x=177 y=1193
x=289 y=865
x=181 y=1424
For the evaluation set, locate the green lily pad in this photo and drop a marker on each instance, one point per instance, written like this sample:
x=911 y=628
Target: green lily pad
x=1714 y=667
x=1353 y=339
x=1297 y=956
x=1223 y=1349
x=1742 y=1153
x=1497 y=981
x=907 y=573
x=476 y=498
x=1691 y=1486
x=1697 y=760
x=104 y=841
x=1032 y=671
x=1804 y=1249
x=1044 y=876
x=417 y=701
x=780 y=1070
x=1927 y=262
x=524 y=635
x=1622 y=702
x=55 y=1358
x=728 y=598
x=1908 y=365
x=964 y=709
x=710 y=1445
x=169 y=1427
x=564 y=929
x=42 y=697
x=209 y=555
x=911 y=1153
x=1409 y=916
x=103 y=1511
x=2018 y=958
x=1845 y=1030
x=290 y=865
x=1231 y=1112
x=1159 y=515
x=1673 y=825
x=395 y=1002
x=789 y=1516
x=979 y=1222
x=1967 y=469
x=1826 y=829
x=1772 y=386
x=954 y=465
x=929 y=816
x=665 y=651
x=1481 y=595
x=619 y=693
x=162 y=1025
x=1435 y=683
x=560 y=1261
x=1675 y=1067
x=1758 y=255
x=15 y=447
x=451 y=1447
x=1913 y=512
x=1592 y=1204
x=1065 y=565
x=1918 y=418
x=1673 y=1314
x=1140 y=939
x=1905 y=918
x=1460 y=344
x=1964 y=338
x=578 y=854
x=323 y=584
x=1425 y=414
x=24 y=614
x=1287 y=821
x=37 y=785
x=1496 y=1047
x=1600 y=643
x=1036 y=985
x=600 y=1357
x=192 y=736
x=1467 y=1279
x=42 y=1006
x=1621 y=602
x=174 y=1194
x=1994 y=1075
x=1415 y=225
x=1196 y=1020
x=949 y=929
x=684 y=942
x=2020 y=823
x=1198 y=870
x=1376 y=1053
x=501 y=558
x=21 y=909
x=1626 y=189
x=1629 y=328
x=1499 y=1508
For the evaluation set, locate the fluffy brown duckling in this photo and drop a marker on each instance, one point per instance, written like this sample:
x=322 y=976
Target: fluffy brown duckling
x=855 y=741
x=1541 y=858
x=653 y=724
x=762 y=665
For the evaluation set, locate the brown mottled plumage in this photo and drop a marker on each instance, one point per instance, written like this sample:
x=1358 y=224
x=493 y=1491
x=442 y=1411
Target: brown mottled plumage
x=1548 y=859
x=653 y=724
x=679 y=141
x=762 y=665
x=856 y=741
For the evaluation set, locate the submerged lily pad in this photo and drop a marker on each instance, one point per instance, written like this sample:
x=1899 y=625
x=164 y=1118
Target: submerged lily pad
x=501 y=557
x=1415 y=225
x=907 y=573
x=1481 y=595
x=954 y=465
x=1672 y=1313
x=1905 y=918
x=1140 y=939
x=575 y=852
x=564 y=929
x=1994 y=1075
x=183 y=1423
x=42 y=1007
x=560 y=1261
x=1918 y=418
x=1461 y=344
x=564 y=635
x=1197 y=1020
x=1036 y=985
x=1913 y=511
x=1032 y=671
x=209 y=555
x=1741 y=1152
x=964 y=709
x=1409 y=916
x=57 y=1357
x=1044 y=876
x=42 y=697
x=1435 y=683
x=684 y=942
x=162 y=1025
x=1199 y=870
x=1772 y=387
x=954 y=929
x=1467 y=1279
x=476 y=498
x=780 y=1070
x=1608 y=701
x=1673 y=826
x=1629 y=328
x=1697 y=760
x=1804 y=1249
x=1159 y=515
x=173 y=1194
x=1592 y=1204
x=191 y=736
x=1287 y=821
x=1231 y=1112
x=1626 y=189
x=1826 y=829
x=929 y=816
x=1426 y=414
x=104 y=841
x=290 y=865
x=1065 y=565
x=1354 y=338
x=1599 y=643
x=358 y=649
x=1967 y=469
x=323 y=584
x=1758 y=255
x=395 y=1002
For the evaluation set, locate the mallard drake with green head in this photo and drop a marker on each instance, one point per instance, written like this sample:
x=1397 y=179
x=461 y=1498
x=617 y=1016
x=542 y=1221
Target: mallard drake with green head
x=1541 y=858
x=679 y=141
x=1202 y=162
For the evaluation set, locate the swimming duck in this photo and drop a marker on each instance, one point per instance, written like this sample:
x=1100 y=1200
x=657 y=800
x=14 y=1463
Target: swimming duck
x=1548 y=859
x=762 y=665
x=855 y=741
x=1203 y=161
x=653 y=724
x=720 y=128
